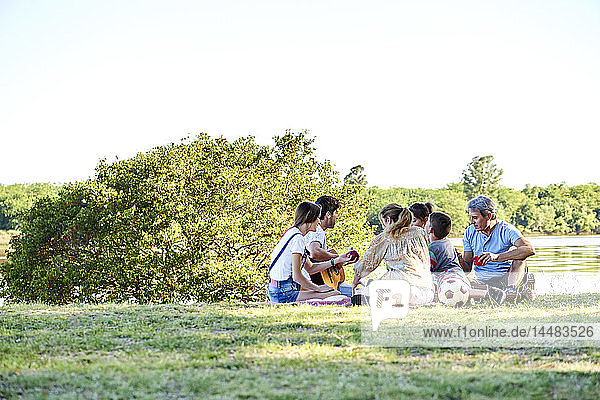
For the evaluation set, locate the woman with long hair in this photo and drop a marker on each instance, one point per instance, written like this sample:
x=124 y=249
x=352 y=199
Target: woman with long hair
x=421 y=212
x=405 y=251
x=288 y=257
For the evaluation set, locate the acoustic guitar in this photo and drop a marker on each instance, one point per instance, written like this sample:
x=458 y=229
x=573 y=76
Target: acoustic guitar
x=332 y=276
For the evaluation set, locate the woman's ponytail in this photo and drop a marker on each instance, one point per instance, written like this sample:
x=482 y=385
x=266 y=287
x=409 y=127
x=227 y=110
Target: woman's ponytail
x=401 y=218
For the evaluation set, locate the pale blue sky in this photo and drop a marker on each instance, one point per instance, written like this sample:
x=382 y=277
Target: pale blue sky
x=412 y=90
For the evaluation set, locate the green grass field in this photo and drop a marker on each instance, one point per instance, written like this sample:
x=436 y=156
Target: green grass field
x=224 y=351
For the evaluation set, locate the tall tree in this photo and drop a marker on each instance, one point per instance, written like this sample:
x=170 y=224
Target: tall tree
x=481 y=176
x=356 y=176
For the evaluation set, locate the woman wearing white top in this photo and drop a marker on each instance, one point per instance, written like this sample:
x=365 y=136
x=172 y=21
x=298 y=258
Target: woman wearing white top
x=285 y=271
x=405 y=251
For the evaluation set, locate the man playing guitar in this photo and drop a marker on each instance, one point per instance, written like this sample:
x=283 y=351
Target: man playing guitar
x=318 y=251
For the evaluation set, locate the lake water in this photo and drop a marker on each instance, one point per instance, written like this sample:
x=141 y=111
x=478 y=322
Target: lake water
x=563 y=264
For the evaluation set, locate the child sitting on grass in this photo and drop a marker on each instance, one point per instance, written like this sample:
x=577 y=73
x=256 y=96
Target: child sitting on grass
x=445 y=258
x=443 y=255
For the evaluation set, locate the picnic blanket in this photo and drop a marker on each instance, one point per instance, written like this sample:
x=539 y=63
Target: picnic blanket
x=338 y=300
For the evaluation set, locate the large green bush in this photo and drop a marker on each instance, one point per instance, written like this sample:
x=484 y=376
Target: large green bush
x=195 y=220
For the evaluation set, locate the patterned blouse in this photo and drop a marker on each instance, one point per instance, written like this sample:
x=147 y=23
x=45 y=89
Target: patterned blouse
x=406 y=257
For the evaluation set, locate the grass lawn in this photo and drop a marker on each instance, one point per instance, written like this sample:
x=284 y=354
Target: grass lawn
x=223 y=351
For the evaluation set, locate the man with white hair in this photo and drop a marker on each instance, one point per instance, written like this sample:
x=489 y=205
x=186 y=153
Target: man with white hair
x=498 y=250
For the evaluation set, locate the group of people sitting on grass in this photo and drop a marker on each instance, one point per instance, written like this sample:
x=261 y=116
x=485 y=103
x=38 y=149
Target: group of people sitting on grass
x=415 y=248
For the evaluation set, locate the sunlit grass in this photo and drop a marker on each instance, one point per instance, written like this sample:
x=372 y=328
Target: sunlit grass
x=279 y=352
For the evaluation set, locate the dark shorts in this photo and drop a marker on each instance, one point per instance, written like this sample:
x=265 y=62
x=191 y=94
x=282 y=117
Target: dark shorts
x=501 y=282
x=283 y=291
x=498 y=281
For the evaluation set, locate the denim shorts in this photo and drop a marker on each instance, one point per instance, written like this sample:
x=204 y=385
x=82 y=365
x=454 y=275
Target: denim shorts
x=284 y=291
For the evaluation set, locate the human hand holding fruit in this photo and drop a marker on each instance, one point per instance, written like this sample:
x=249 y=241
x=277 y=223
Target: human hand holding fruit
x=485 y=258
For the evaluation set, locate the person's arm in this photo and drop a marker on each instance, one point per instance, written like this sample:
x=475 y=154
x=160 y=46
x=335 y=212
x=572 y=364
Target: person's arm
x=370 y=260
x=301 y=279
x=318 y=253
x=314 y=267
x=466 y=261
x=432 y=260
x=523 y=250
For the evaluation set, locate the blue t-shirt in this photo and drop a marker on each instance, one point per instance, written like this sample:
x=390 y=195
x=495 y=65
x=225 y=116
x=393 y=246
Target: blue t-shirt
x=502 y=238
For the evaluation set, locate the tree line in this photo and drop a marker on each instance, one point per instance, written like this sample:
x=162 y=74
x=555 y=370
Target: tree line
x=555 y=209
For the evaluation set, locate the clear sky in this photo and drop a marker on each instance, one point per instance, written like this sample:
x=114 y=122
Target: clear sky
x=412 y=90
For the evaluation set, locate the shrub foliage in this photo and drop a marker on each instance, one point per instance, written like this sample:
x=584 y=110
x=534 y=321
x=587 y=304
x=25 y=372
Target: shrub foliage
x=195 y=220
